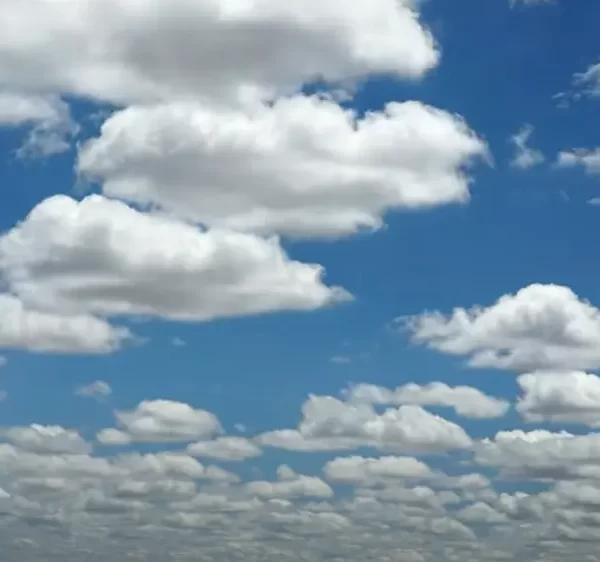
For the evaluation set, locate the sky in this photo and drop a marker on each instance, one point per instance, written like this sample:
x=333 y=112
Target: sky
x=299 y=281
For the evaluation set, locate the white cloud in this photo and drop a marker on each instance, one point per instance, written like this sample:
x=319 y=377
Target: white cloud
x=525 y=156
x=162 y=421
x=22 y=327
x=539 y=327
x=96 y=389
x=514 y=3
x=303 y=166
x=571 y=397
x=101 y=256
x=3 y=361
x=132 y=50
x=290 y=485
x=46 y=439
x=48 y=116
x=541 y=454
x=225 y=448
x=588 y=81
x=588 y=159
x=330 y=424
x=481 y=512
x=465 y=400
x=373 y=471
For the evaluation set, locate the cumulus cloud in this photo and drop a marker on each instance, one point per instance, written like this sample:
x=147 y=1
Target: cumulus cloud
x=101 y=256
x=541 y=454
x=329 y=424
x=225 y=449
x=569 y=397
x=46 y=439
x=303 y=166
x=538 y=327
x=525 y=156
x=372 y=471
x=465 y=400
x=127 y=51
x=161 y=421
x=290 y=485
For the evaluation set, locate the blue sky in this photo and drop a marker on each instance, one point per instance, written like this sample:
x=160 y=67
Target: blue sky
x=187 y=262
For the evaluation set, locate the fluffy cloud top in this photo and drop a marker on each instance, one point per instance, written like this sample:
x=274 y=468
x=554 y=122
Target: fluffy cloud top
x=225 y=449
x=330 y=424
x=303 y=166
x=371 y=471
x=130 y=50
x=100 y=256
x=542 y=454
x=568 y=397
x=465 y=400
x=539 y=327
x=46 y=439
x=161 y=421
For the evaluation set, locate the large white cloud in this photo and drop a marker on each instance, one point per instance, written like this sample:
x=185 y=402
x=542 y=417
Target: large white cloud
x=132 y=50
x=101 y=256
x=303 y=166
x=330 y=424
x=465 y=400
x=538 y=327
x=572 y=396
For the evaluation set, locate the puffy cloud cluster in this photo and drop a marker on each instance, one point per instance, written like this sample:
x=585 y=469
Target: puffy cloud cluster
x=225 y=142
x=538 y=327
x=465 y=400
x=329 y=424
x=167 y=503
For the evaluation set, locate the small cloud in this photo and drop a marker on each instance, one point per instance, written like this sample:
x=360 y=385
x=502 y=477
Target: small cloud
x=525 y=157
x=96 y=390
x=594 y=201
x=588 y=82
x=588 y=159
x=3 y=361
x=3 y=395
x=514 y=3
x=341 y=359
x=240 y=428
x=178 y=342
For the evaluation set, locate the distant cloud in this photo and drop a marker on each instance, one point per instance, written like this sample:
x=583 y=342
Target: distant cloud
x=525 y=156
x=97 y=389
x=514 y=3
x=588 y=159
